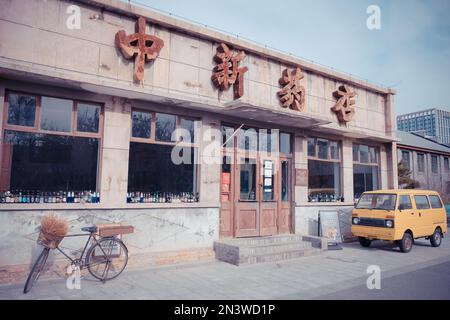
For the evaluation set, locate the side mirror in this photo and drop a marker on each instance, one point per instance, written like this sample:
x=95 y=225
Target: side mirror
x=401 y=207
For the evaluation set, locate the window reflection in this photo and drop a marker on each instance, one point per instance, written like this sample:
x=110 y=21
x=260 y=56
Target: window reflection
x=88 y=116
x=21 y=110
x=165 y=126
x=56 y=114
x=248 y=180
x=50 y=162
x=141 y=123
x=151 y=169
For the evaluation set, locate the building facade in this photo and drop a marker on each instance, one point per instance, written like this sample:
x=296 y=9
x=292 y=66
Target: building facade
x=187 y=134
x=431 y=123
x=428 y=162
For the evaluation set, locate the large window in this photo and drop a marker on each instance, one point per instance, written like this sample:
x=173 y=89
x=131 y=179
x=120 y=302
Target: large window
x=420 y=162
x=163 y=158
x=50 y=150
x=324 y=171
x=365 y=169
x=434 y=164
x=253 y=139
x=406 y=159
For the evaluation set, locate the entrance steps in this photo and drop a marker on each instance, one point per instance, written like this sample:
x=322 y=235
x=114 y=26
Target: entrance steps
x=241 y=251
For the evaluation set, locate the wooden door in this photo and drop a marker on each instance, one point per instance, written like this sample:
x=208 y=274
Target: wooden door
x=227 y=196
x=285 y=198
x=247 y=197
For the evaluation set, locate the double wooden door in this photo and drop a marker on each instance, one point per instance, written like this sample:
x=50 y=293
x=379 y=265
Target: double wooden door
x=257 y=200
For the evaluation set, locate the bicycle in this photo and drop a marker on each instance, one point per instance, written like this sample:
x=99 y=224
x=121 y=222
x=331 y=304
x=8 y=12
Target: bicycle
x=105 y=259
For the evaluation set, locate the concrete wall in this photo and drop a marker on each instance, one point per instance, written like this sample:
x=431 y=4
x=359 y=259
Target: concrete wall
x=307 y=218
x=439 y=181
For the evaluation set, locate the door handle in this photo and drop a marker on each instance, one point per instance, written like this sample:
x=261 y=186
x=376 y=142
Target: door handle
x=420 y=214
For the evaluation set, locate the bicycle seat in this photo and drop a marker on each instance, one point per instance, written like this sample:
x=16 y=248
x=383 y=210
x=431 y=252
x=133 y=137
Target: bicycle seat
x=89 y=229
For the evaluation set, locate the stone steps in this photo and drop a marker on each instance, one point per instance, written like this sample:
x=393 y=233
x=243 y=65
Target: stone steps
x=267 y=249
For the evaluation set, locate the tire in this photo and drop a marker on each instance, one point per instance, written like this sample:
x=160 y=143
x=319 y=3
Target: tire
x=97 y=262
x=436 y=238
x=365 y=242
x=36 y=270
x=406 y=243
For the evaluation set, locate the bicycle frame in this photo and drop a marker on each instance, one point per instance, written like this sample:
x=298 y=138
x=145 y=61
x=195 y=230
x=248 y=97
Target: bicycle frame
x=91 y=236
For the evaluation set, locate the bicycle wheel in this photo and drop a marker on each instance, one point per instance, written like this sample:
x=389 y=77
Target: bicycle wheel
x=107 y=259
x=36 y=270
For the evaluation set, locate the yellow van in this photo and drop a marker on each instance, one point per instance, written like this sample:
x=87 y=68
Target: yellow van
x=400 y=216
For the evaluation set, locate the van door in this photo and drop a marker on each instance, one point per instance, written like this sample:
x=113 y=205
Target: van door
x=407 y=217
x=437 y=216
x=423 y=212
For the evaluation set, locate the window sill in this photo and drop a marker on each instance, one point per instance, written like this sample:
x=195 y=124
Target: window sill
x=101 y=206
x=325 y=204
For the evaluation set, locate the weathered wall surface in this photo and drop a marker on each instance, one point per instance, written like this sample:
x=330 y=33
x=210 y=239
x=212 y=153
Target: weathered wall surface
x=35 y=36
x=156 y=230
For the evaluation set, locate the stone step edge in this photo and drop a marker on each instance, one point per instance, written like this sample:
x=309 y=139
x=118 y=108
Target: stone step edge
x=301 y=244
x=296 y=253
x=316 y=242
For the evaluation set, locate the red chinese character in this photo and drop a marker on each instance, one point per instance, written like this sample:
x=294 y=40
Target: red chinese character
x=344 y=106
x=227 y=71
x=142 y=46
x=293 y=93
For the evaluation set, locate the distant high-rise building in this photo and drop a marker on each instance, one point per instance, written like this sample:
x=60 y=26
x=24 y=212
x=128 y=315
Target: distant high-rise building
x=432 y=123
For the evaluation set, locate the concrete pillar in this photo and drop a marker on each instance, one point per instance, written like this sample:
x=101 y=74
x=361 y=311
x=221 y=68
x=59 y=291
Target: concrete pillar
x=347 y=170
x=390 y=118
x=115 y=152
x=300 y=163
x=392 y=165
x=210 y=160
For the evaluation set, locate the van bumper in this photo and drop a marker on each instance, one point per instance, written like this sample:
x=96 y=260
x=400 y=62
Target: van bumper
x=387 y=234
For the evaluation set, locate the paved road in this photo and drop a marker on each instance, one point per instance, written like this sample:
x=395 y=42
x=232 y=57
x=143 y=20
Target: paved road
x=430 y=283
x=335 y=274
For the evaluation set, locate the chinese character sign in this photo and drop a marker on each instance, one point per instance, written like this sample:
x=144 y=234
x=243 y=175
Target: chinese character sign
x=227 y=71
x=141 y=46
x=344 y=107
x=292 y=95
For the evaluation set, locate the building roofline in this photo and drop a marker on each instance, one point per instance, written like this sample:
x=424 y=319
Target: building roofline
x=419 y=111
x=424 y=149
x=204 y=32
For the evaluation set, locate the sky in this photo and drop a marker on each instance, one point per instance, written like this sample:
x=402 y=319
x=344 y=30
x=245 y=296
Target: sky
x=410 y=53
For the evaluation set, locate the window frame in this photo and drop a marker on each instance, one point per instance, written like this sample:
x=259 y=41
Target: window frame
x=37 y=119
x=36 y=129
x=431 y=204
x=419 y=168
x=415 y=202
x=432 y=156
x=152 y=139
x=329 y=159
x=195 y=145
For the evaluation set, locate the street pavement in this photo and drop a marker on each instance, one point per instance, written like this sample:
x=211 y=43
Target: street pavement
x=421 y=274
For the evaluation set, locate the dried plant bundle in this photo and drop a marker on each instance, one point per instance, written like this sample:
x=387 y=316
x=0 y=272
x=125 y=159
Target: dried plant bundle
x=54 y=226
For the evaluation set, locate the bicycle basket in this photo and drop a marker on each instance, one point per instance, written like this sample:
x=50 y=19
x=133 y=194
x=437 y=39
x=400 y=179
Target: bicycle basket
x=48 y=240
x=52 y=232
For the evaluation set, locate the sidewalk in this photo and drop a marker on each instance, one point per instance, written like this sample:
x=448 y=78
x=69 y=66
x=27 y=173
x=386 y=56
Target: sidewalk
x=304 y=278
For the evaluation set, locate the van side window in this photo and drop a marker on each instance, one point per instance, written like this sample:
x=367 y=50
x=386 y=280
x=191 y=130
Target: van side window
x=422 y=202
x=435 y=202
x=405 y=202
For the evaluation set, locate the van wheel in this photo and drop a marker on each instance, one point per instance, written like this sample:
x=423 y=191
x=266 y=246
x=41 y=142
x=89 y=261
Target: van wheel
x=436 y=238
x=406 y=243
x=364 y=242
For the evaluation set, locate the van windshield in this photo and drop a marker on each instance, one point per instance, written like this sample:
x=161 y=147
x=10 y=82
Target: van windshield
x=377 y=201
